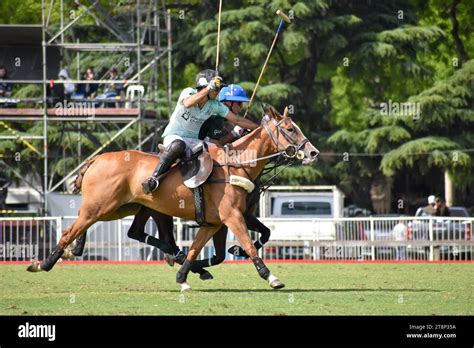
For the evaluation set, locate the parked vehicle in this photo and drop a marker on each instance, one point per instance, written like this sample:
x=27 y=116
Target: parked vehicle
x=445 y=229
x=283 y=206
x=289 y=212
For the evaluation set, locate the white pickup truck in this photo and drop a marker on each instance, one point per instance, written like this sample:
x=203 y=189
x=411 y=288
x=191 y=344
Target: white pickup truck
x=291 y=211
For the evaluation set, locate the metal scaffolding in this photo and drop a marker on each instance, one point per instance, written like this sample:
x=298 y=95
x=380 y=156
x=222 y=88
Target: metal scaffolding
x=148 y=36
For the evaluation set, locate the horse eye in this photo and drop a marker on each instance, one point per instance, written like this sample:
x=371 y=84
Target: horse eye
x=291 y=129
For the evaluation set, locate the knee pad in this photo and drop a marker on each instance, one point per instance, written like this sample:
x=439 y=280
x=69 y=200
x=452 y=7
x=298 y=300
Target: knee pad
x=177 y=148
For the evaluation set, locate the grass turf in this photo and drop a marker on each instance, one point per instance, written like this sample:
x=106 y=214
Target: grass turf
x=311 y=289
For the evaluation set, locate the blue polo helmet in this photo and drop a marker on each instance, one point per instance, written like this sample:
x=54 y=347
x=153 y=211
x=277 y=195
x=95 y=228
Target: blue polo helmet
x=233 y=93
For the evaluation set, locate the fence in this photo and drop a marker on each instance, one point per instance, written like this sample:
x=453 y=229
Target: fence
x=388 y=238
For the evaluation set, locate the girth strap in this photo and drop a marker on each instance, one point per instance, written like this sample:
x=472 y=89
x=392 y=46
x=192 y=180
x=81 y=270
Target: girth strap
x=199 y=206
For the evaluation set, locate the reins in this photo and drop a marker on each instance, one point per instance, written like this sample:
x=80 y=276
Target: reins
x=289 y=153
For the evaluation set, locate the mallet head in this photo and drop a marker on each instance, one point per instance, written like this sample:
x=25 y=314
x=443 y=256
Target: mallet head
x=284 y=16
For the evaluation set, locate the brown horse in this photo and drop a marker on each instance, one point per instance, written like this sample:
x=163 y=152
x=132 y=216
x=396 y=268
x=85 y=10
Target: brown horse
x=111 y=189
x=167 y=244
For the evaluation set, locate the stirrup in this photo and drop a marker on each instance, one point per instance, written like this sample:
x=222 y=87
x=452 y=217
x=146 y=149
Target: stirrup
x=150 y=184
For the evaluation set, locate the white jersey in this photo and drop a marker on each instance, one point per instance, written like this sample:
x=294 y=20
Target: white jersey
x=186 y=122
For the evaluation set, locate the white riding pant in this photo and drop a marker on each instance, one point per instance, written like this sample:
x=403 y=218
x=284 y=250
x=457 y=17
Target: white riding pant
x=190 y=142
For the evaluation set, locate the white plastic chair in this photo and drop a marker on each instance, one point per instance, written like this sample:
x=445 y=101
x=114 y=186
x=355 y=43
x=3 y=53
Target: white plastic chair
x=130 y=95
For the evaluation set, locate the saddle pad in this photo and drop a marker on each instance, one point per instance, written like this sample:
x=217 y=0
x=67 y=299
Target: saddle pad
x=240 y=181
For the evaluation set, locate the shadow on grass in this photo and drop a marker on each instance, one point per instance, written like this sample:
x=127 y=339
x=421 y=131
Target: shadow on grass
x=307 y=290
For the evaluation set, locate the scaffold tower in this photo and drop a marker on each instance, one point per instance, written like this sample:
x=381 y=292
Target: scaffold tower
x=134 y=35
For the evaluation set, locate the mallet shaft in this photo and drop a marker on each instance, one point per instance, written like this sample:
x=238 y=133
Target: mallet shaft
x=263 y=69
x=285 y=18
x=218 y=36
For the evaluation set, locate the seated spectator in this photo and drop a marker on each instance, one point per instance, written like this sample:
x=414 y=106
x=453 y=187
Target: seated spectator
x=113 y=89
x=58 y=92
x=441 y=207
x=88 y=90
x=430 y=208
x=69 y=88
x=5 y=87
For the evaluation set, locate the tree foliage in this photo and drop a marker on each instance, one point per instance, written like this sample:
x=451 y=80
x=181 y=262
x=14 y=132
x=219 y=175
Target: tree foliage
x=337 y=64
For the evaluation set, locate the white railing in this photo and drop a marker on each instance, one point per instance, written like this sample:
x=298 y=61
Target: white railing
x=373 y=238
x=26 y=238
x=387 y=238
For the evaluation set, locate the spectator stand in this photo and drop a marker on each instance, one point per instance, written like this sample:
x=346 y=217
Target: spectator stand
x=140 y=33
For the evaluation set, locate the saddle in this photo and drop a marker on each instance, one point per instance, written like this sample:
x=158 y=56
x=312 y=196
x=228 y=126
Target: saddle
x=195 y=167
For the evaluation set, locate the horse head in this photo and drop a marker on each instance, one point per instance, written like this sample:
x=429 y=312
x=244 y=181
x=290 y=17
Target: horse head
x=287 y=136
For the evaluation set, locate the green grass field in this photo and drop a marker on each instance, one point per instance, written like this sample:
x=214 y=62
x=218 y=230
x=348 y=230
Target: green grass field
x=311 y=289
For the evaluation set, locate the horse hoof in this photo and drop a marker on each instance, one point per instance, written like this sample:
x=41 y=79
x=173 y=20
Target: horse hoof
x=206 y=276
x=274 y=282
x=277 y=284
x=169 y=260
x=185 y=287
x=34 y=267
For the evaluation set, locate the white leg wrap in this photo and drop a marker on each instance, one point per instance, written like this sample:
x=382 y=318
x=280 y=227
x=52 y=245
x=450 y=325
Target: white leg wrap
x=185 y=287
x=271 y=278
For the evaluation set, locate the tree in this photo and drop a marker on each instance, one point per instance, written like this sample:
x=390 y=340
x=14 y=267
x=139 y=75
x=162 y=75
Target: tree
x=408 y=145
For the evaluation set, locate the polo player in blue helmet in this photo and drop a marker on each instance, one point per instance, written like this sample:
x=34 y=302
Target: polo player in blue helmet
x=220 y=131
x=194 y=107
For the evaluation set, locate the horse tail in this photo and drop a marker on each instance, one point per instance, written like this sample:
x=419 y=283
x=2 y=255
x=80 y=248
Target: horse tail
x=80 y=176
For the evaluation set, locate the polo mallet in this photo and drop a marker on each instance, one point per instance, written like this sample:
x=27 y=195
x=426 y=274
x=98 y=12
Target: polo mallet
x=218 y=36
x=285 y=18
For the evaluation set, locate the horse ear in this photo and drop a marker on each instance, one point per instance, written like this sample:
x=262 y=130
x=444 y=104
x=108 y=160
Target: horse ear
x=276 y=114
x=271 y=111
x=267 y=109
x=286 y=112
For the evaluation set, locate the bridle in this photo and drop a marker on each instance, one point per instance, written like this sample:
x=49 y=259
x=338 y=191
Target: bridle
x=292 y=150
x=289 y=151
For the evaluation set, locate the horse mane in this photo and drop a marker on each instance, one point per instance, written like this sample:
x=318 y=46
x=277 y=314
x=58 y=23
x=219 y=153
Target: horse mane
x=247 y=137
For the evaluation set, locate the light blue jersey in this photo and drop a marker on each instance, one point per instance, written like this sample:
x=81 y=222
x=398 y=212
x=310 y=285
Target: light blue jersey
x=186 y=122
